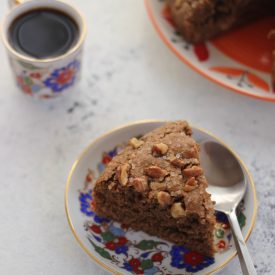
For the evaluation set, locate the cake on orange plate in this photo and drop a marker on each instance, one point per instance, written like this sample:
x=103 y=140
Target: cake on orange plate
x=156 y=184
x=200 y=20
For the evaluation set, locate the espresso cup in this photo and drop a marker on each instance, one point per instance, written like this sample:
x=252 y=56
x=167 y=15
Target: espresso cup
x=51 y=76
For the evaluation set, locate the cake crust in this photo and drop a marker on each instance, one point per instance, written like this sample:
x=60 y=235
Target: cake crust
x=157 y=185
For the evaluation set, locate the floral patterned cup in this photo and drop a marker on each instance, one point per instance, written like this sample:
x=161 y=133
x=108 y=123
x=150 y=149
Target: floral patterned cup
x=50 y=77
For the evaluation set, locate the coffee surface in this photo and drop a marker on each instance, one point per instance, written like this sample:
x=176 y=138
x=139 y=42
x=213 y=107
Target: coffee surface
x=43 y=33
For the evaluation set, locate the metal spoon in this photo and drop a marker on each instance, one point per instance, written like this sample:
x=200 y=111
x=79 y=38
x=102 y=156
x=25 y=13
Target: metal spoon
x=227 y=185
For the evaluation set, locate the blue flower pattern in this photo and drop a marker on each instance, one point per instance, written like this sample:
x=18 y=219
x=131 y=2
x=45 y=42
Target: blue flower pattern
x=116 y=231
x=98 y=219
x=177 y=253
x=63 y=78
x=85 y=203
x=121 y=249
x=221 y=217
x=127 y=266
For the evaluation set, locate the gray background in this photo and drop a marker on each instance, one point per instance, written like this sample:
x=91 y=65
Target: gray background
x=129 y=74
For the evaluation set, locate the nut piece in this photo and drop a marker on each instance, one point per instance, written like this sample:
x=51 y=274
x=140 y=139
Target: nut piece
x=122 y=173
x=177 y=162
x=111 y=185
x=177 y=211
x=184 y=162
x=155 y=172
x=191 y=153
x=159 y=149
x=140 y=184
x=190 y=185
x=164 y=198
x=136 y=143
x=193 y=171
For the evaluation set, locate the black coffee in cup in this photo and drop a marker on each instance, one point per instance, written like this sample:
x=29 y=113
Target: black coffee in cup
x=43 y=33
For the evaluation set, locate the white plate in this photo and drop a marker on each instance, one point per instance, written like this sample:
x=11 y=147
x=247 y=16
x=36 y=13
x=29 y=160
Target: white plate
x=121 y=250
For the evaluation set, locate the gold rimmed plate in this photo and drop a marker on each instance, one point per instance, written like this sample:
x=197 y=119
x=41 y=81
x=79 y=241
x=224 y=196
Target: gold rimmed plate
x=119 y=249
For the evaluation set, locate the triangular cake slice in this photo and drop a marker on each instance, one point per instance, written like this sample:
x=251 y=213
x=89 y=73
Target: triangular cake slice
x=157 y=185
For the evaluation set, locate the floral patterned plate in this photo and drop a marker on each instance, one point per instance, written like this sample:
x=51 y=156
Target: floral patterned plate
x=240 y=60
x=119 y=249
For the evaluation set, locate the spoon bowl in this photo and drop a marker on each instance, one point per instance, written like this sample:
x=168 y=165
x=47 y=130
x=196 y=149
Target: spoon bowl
x=227 y=185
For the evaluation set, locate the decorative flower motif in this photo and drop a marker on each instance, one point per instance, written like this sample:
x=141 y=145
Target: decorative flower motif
x=106 y=158
x=110 y=245
x=28 y=82
x=31 y=80
x=90 y=176
x=85 y=203
x=116 y=231
x=95 y=228
x=140 y=266
x=191 y=261
x=113 y=153
x=177 y=253
x=157 y=257
x=221 y=217
x=98 y=219
x=97 y=238
x=35 y=75
x=119 y=245
x=100 y=167
x=241 y=219
x=127 y=266
x=221 y=244
x=193 y=258
x=135 y=265
x=122 y=240
x=63 y=78
x=121 y=249
x=219 y=233
x=151 y=271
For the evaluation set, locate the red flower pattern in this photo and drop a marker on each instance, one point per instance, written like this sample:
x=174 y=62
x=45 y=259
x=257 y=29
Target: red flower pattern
x=122 y=241
x=157 y=257
x=193 y=258
x=35 y=75
x=95 y=228
x=65 y=76
x=135 y=263
x=110 y=245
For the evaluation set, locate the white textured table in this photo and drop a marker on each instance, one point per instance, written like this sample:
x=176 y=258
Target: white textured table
x=129 y=74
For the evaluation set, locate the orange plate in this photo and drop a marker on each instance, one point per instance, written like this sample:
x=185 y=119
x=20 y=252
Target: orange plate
x=240 y=59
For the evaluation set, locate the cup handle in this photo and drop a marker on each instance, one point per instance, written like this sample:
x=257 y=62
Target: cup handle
x=14 y=3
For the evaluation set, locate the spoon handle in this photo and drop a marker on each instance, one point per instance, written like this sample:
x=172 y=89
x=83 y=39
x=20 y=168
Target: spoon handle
x=244 y=256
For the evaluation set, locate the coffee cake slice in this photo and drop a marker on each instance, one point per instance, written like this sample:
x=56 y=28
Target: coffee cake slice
x=156 y=185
